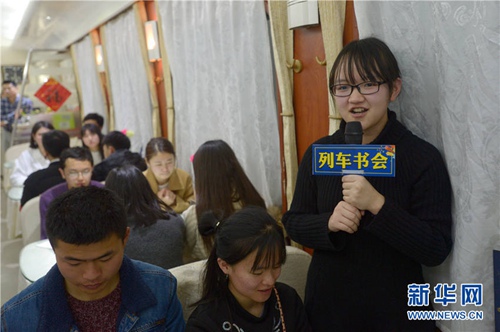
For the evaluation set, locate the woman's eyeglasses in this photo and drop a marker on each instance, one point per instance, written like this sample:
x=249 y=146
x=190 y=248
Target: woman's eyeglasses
x=365 y=88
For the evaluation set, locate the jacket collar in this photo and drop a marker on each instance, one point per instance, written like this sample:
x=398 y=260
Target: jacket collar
x=56 y=314
x=391 y=134
x=151 y=179
x=136 y=295
x=174 y=183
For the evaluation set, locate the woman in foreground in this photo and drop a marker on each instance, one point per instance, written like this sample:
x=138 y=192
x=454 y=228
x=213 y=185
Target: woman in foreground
x=240 y=292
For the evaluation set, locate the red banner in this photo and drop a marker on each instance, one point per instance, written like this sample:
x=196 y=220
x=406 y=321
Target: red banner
x=53 y=94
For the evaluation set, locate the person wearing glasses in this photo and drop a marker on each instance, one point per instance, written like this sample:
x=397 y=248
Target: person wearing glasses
x=371 y=235
x=76 y=168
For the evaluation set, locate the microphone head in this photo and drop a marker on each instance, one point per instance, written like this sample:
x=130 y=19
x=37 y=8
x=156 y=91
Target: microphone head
x=353 y=132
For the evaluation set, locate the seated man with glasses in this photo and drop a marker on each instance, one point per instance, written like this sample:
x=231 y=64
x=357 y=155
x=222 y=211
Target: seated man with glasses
x=76 y=168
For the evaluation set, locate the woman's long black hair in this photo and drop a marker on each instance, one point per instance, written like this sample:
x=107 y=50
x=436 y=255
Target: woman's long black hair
x=249 y=230
x=143 y=207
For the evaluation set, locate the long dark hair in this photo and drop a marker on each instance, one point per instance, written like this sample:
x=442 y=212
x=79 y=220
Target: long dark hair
x=94 y=129
x=249 y=230
x=143 y=207
x=36 y=127
x=220 y=181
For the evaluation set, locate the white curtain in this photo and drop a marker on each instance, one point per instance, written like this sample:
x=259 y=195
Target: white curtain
x=220 y=58
x=449 y=53
x=128 y=79
x=92 y=97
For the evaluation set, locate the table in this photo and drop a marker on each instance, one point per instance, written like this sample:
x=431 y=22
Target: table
x=35 y=260
x=13 y=217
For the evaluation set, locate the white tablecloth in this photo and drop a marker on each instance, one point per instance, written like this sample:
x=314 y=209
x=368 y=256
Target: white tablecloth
x=35 y=260
x=13 y=218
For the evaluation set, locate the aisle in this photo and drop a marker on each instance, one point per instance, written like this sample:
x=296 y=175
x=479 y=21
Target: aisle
x=9 y=260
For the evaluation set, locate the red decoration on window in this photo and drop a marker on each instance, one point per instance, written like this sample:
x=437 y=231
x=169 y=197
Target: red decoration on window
x=53 y=94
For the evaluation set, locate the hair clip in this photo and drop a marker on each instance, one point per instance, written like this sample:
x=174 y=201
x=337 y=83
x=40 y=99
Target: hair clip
x=128 y=133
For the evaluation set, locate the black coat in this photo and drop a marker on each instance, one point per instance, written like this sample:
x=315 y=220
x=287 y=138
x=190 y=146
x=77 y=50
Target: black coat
x=117 y=159
x=41 y=180
x=358 y=282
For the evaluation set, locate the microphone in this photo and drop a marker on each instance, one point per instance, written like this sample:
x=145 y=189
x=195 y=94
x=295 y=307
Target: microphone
x=353 y=132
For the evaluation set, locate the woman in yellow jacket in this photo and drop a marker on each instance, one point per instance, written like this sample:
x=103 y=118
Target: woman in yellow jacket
x=172 y=185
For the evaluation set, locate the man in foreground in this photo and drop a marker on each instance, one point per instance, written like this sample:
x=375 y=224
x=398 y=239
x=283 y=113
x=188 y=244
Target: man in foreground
x=93 y=286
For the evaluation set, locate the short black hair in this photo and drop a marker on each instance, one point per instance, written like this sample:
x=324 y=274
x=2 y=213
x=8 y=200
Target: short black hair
x=9 y=82
x=95 y=116
x=78 y=153
x=55 y=142
x=86 y=215
x=116 y=139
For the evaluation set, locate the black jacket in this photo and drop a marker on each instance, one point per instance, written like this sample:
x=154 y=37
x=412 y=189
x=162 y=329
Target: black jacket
x=359 y=281
x=39 y=181
x=117 y=159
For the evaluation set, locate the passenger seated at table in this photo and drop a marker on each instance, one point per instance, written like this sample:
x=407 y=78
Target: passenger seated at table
x=115 y=146
x=173 y=185
x=156 y=235
x=76 y=169
x=94 y=286
x=32 y=159
x=239 y=284
x=54 y=143
x=221 y=185
x=92 y=139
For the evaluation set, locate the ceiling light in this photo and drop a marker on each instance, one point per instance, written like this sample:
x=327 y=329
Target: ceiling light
x=12 y=15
